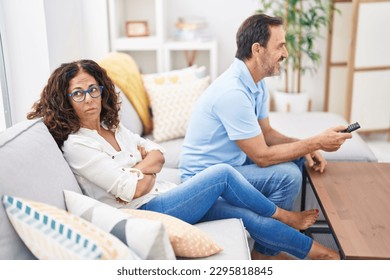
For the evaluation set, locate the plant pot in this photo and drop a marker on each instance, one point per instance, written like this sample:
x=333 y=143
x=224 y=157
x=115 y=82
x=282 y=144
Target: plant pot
x=291 y=102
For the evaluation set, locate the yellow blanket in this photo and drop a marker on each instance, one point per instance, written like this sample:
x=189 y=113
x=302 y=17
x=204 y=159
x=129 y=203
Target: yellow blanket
x=124 y=72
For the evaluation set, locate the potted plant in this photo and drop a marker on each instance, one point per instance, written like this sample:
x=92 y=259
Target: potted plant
x=303 y=19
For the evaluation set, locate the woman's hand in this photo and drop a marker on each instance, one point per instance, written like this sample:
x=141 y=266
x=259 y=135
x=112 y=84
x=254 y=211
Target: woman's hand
x=151 y=162
x=142 y=151
x=145 y=185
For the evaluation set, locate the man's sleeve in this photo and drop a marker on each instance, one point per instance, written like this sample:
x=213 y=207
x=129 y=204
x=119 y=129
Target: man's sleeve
x=235 y=111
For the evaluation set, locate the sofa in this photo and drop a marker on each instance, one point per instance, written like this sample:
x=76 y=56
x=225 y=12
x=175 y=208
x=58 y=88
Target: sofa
x=32 y=167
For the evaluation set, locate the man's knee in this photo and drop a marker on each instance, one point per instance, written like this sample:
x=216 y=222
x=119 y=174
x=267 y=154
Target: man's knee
x=292 y=176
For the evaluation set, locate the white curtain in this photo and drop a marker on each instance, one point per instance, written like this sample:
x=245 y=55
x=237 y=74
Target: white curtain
x=5 y=112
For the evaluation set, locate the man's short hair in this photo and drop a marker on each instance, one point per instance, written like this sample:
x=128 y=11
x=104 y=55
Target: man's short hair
x=254 y=29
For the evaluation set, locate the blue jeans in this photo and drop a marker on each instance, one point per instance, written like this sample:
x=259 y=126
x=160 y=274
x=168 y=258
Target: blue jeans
x=280 y=183
x=220 y=192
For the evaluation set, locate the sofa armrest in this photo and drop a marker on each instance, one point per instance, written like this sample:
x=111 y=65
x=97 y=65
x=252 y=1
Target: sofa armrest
x=303 y=125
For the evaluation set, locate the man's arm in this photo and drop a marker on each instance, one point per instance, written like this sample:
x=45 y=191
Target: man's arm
x=271 y=147
x=272 y=136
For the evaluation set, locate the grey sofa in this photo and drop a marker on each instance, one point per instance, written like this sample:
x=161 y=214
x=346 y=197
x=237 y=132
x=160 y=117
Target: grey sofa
x=32 y=167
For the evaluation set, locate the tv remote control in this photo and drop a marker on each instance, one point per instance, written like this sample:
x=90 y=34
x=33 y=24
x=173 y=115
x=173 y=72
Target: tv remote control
x=352 y=127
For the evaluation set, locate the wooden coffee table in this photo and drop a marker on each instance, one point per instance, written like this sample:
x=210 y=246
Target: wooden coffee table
x=355 y=200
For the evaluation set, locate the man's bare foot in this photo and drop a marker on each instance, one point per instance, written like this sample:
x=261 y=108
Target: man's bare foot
x=281 y=256
x=298 y=220
x=320 y=252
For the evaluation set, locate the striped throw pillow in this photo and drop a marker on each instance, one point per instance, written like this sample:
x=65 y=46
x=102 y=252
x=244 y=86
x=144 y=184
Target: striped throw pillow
x=52 y=233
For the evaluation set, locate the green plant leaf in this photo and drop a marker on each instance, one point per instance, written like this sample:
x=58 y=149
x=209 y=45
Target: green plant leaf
x=304 y=21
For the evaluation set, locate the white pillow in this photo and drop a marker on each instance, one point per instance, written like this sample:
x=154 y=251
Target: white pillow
x=187 y=240
x=52 y=233
x=148 y=239
x=172 y=105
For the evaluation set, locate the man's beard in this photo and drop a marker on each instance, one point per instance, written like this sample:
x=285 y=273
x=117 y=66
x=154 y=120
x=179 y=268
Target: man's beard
x=275 y=69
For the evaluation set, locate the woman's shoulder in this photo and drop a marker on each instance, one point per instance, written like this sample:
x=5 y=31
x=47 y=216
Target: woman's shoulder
x=83 y=137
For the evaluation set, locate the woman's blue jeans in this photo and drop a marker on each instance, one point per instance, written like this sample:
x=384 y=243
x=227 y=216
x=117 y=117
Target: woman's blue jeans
x=220 y=192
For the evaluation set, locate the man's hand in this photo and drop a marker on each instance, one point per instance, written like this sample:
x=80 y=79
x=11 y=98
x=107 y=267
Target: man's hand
x=331 y=139
x=316 y=161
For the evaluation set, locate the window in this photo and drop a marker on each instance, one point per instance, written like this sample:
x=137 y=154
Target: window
x=5 y=112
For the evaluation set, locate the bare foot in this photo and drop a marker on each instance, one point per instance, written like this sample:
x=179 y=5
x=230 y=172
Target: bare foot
x=320 y=252
x=281 y=256
x=298 y=220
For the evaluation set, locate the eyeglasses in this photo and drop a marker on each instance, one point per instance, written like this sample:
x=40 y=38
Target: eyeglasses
x=79 y=95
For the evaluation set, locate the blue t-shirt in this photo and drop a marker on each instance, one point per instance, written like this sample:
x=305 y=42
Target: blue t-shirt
x=227 y=111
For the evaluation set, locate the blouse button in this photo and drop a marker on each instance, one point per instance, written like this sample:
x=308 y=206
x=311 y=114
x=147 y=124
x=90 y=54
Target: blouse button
x=131 y=155
x=113 y=157
x=123 y=169
x=156 y=189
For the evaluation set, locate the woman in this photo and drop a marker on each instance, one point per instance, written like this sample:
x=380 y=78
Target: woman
x=80 y=108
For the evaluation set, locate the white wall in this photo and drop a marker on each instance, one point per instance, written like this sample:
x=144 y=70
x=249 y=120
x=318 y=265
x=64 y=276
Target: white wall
x=25 y=52
x=63 y=21
x=39 y=35
x=2 y=116
x=224 y=18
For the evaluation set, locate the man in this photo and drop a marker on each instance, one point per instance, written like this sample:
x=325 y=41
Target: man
x=230 y=121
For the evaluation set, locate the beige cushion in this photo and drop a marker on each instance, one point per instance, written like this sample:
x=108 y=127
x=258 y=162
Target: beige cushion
x=172 y=95
x=172 y=105
x=187 y=240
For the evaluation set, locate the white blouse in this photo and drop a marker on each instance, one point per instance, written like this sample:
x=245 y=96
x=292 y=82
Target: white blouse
x=104 y=173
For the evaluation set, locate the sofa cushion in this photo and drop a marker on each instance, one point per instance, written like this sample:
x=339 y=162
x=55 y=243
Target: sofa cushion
x=129 y=116
x=54 y=234
x=303 y=125
x=170 y=175
x=32 y=167
x=231 y=235
x=172 y=105
x=172 y=150
x=148 y=239
x=186 y=239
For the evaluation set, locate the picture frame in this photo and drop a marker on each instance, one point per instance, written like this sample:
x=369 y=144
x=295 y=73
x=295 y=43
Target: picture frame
x=137 y=28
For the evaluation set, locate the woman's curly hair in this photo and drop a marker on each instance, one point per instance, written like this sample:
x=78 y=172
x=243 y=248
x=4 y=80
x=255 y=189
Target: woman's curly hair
x=54 y=106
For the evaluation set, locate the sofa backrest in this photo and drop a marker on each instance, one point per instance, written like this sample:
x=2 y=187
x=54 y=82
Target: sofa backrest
x=31 y=167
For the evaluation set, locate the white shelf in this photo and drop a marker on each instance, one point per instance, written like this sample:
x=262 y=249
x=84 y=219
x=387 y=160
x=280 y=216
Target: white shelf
x=190 y=45
x=210 y=46
x=154 y=12
x=137 y=43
